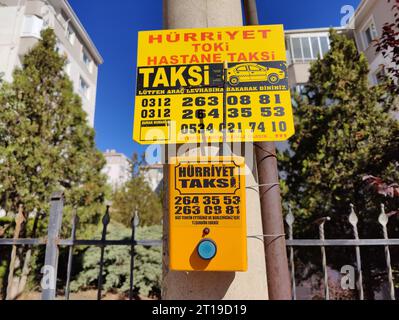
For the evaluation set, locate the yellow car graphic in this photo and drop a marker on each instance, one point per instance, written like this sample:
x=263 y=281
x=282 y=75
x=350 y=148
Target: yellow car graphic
x=252 y=72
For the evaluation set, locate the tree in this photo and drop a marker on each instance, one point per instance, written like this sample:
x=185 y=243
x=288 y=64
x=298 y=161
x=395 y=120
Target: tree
x=343 y=134
x=137 y=195
x=147 y=269
x=45 y=141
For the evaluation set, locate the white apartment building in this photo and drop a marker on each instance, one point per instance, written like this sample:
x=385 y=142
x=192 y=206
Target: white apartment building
x=118 y=169
x=304 y=46
x=21 y=22
x=153 y=175
x=369 y=20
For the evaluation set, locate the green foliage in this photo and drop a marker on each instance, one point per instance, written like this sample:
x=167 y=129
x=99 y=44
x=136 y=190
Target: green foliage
x=137 y=195
x=3 y=269
x=344 y=132
x=147 y=269
x=46 y=145
x=45 y=141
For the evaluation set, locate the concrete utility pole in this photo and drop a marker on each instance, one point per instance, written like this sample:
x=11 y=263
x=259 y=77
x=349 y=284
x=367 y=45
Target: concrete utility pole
x=180 y=14
x=278 y=275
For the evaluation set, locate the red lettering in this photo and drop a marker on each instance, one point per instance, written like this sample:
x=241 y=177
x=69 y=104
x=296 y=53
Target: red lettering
x=163 y=61
x=218 y=47
x=232 y=35
x=185 y=58
x=206 y=58
x=242 y=57
x=207 y=47
x=231 y=56
x=265 y=55
x=152 y=61
x=174 y=60
x=196 y=46
x=217 y=58
x=249 y=34
x=253 y=56
x=190 y=37
x=264 y=33
x=154 y=38
x=194 y=59
x=207 y=36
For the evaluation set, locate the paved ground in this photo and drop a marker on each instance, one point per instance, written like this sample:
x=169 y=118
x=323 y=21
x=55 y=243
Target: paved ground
x=85 y=295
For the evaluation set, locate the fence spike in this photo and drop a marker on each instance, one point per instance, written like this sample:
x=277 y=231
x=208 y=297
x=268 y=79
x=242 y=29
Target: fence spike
x=290 y=219
x=76 y=220
x=353 y=218
x=106 y=219
x=136 y=219
x=321 y=222
x=383 y=218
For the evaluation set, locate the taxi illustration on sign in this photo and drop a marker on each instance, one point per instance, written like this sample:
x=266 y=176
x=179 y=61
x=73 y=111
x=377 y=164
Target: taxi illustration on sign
x=252 y=72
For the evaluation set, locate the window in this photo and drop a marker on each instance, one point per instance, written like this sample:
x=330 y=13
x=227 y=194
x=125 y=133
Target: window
x=325 y=45
x=84 y=88
x=86 y=60
x=244 y=68
x=308 y=48
x=68 y=66
x=254 y=68
x=369 y=34
x=32 y=27
x=70 y=34
x=307 y=55
x=59 y=47
x=46 y=23
x=296 y=47
x=315 y=47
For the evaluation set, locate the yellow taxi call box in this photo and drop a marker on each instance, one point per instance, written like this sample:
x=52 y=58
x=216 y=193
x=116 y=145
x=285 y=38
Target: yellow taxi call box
x=207 y=218
x=180 y=78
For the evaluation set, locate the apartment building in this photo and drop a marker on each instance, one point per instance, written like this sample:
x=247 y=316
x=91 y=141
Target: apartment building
x=21 y=22
x=304 y=46
x=369 y=20
x=118 y=169
x=153 y=175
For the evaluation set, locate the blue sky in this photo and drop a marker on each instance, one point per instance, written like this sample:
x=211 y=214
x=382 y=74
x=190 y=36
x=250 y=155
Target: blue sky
x=114 y=28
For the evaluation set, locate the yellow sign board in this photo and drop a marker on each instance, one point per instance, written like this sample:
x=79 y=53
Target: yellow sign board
x=207 y=214
x=180 y=85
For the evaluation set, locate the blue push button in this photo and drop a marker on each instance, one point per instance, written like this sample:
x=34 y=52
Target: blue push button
x=207 y=249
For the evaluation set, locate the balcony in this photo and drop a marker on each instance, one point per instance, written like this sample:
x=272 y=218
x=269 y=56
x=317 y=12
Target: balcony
x=32 y=27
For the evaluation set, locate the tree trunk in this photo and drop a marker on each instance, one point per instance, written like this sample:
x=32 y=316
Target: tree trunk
x=14 y=261
x=25 y=273
x=28 y=257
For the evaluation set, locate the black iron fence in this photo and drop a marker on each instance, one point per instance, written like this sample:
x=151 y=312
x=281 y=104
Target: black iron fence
x=53 y=242
x=356 y=243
